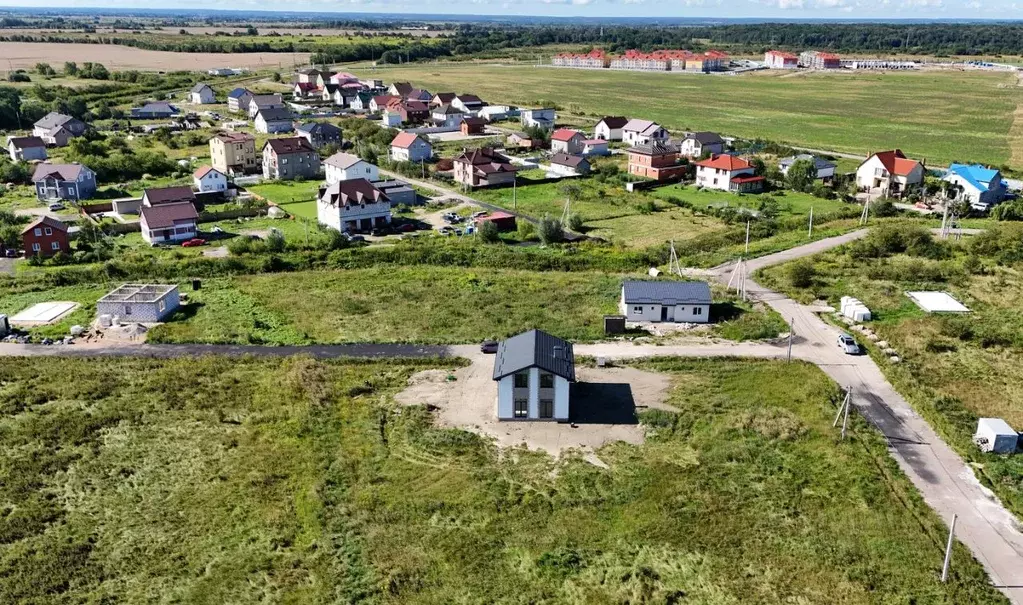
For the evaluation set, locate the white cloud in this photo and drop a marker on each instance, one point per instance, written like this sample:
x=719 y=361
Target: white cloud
x=974 y=4
x=788 y=4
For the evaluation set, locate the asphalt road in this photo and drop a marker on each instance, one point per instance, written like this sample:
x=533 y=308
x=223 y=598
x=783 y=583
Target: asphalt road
x=946 y=483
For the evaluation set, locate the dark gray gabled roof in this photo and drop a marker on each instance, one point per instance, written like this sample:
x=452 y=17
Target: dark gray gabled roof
x=535 y=348
x=667 y=292
x=706 y=138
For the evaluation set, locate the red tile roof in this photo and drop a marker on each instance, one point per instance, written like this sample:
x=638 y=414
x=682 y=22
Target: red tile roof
x=782 y=54
x=724 y=162
x=565 y=134
x=896 y=162
x=404 y=140
x=747 y=179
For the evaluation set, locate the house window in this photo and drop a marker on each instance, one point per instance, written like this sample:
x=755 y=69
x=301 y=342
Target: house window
x=48 y=231
x=546 y=408
x=36 y=247
x=546 y=380
x=522 y=380
x=38 y=231
x=637 y=309
x=697 y=310
x=127 y=309
x=521 y=408
x=284 y=160
x=55 y=245
x=161 y=305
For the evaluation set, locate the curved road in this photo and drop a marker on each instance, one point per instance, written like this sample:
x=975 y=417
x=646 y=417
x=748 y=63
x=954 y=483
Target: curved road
x=946 y=483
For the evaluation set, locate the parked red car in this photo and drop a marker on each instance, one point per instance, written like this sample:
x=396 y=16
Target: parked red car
x=195 y=241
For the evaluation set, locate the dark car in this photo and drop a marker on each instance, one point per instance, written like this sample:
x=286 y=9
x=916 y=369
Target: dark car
x=489 y=346
x=407 y=227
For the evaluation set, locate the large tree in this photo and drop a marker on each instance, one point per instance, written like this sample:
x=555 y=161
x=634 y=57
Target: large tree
x=802 y=174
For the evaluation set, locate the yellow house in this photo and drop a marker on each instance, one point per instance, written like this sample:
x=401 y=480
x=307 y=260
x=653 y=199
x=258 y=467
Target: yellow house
x=234 y=153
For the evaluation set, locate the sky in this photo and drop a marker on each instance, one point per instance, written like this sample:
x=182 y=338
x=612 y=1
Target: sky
x=775 y=9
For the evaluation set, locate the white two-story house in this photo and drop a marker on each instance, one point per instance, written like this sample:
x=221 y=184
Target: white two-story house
x=534 y=372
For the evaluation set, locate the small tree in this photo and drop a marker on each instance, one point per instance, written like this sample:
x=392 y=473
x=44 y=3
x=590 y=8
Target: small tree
x=70 y=68
x=801 y=273
x=759 y=167
x=487 y=232
x=44 y=69
x=802 y=174
x=550 y=230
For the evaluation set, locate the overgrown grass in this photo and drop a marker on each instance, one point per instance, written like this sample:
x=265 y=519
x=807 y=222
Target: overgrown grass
x=955 y=368
x=241 y=480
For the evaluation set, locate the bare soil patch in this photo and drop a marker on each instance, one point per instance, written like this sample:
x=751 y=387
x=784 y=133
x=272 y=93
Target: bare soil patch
x=27 y=54
x=603 y=406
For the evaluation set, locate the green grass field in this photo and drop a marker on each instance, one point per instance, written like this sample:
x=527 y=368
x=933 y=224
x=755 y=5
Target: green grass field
x=937 y=116
x=218 y=480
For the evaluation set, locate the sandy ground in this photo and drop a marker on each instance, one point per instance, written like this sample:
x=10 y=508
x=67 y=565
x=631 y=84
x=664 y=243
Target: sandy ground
x=436 y=218
x=603 y=404
x=27 y=54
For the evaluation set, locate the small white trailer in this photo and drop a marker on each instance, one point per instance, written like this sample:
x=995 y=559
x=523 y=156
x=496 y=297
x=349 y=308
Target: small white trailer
x=994 y=435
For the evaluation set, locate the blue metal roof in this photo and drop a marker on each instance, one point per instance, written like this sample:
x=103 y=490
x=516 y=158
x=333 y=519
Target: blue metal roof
x=976 y=175
x=238 y=93
x=667 y=292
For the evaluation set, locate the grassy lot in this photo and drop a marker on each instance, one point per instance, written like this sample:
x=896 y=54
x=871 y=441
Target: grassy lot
x=940 y=116
x=417 y=304
x=955 y=368
x=219 y=480
x=396 y=304
x=789 y=203
x=286 y=192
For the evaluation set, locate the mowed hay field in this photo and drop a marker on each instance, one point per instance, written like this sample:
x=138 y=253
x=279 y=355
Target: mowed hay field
x=227 y=480
x=27 y=54
x=937 y=116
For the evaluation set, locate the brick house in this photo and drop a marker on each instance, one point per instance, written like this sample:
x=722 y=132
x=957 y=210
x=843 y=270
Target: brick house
x=44 y=237
x=656 y=161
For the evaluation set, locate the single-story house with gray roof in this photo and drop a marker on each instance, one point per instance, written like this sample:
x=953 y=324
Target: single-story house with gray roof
x=533 y=371
x=677 y=301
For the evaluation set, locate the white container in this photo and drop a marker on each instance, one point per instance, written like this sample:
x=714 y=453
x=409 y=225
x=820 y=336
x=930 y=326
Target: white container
x=996 y=436
x=105 y=320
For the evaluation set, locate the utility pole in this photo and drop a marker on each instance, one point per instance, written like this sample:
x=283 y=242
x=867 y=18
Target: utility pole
x=515 y=201
x=746 y=253
x=866 y=211
x=792 y=322
x=948 y=549
x=810 y=232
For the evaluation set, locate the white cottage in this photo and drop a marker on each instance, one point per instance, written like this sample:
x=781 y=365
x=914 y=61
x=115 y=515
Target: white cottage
x=533 y=371
x=209 y=178
x=656 y=301
x=345 y=167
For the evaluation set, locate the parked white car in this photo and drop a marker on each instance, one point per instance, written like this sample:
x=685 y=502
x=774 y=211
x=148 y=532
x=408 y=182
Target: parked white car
x=848 y=345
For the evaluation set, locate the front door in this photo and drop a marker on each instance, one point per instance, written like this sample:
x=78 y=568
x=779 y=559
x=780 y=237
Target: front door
x=546 y=408
x=664 y=313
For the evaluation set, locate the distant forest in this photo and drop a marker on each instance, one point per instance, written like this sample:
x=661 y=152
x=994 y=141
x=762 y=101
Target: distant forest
x=489 y=39
x=929 y=39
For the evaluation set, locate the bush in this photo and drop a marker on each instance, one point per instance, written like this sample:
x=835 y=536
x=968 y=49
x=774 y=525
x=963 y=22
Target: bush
x=275 y=242
x=575 y=222
x=801 y=273
x=487 y=232
x=550 y=230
